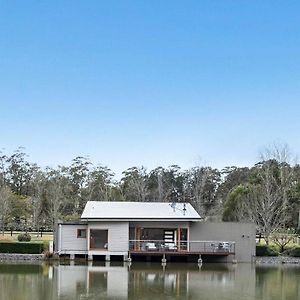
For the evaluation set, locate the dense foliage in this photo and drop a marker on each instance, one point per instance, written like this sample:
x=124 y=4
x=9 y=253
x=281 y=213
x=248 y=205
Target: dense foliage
x=265 y=250
x=295 y=252
x=23 y=248
x=33 y=198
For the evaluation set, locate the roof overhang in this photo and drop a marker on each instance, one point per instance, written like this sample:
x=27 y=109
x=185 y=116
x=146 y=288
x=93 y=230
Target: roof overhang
x=140 y=220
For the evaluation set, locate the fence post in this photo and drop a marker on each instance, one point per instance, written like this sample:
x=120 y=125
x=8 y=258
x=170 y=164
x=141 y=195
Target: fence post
x=50 y=247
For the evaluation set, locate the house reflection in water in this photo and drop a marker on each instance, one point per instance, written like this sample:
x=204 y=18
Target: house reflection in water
x=212 y=281
x=90 y=281
x=151 y=281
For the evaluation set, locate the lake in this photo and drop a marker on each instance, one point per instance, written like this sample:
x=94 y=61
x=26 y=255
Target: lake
x=148 y=281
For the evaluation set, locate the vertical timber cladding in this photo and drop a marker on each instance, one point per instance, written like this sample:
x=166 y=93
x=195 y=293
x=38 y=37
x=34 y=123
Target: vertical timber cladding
x=243 y=234
x=69 y=239
x=118 y=234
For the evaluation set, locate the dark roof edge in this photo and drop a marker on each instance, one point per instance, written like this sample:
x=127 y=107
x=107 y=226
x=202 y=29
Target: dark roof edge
x=76 y=222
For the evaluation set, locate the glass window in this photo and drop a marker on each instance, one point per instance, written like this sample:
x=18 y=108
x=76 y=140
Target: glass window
x=81 y=233
x=183 y=239
x=152 y=234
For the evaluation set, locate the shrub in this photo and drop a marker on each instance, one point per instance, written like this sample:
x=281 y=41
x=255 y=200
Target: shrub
x=265 y=250
x=274 y=248
x=21 y=247
x=24 y=237
x=295 y=252
x=48 y=255
x=45 y=245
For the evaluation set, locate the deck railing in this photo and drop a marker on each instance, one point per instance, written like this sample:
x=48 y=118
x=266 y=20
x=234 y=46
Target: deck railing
x=182 y=246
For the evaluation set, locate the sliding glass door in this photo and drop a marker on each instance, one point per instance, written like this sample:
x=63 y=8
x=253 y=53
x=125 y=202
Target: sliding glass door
x=98 y=239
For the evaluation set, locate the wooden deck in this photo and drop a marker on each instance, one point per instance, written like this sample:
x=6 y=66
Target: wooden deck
x=211 y=250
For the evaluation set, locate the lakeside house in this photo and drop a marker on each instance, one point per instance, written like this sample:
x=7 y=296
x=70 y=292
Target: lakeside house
x=135 y=229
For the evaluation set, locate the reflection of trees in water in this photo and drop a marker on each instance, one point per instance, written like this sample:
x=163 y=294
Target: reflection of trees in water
x=277 y=282
x=149 y=281
x=26 y=282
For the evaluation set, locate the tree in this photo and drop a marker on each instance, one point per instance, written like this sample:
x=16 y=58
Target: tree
x=266 y=204
x=294 y=200
x=5 y=195
x=173 y=182
x=57 y=191
x=134 y=184
x=18 y=172
x=38 y=186
x=20 y=211
x=78 y=175
x=267 y=200
x=3 y=169
x=232 y=177
x=201 y=184
x=156 y=185
x=282 y=237
x=100 y=184
x=233 y=204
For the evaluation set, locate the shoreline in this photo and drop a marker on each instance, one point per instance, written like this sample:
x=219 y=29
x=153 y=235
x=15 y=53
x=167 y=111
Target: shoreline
x=276 y=260
x=21 y=257
x=258 y=260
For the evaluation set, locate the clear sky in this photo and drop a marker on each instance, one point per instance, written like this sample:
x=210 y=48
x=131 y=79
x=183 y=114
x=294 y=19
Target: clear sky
x=149 y=82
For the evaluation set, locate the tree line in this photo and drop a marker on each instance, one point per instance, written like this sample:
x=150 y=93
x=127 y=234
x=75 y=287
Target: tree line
x=267 y=193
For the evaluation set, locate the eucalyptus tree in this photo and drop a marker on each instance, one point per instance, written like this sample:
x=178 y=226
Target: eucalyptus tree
x=37 y=198
x=20 y=212
x=156 y=185
x=294 y=200
x=78 y=174
x=18 y=172
x=58 y=195
x=100 y=184
x=232 y=177
x=173 y=180
x=5 y=195
x=3 y=169
x=201 y=185
x=134 y=184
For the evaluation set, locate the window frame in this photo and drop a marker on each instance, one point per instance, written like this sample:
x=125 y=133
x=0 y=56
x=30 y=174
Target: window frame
x=90 y=234
x=79 y=236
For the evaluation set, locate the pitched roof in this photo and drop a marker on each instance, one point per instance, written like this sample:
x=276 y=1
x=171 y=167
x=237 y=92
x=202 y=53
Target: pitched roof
x=138 y=210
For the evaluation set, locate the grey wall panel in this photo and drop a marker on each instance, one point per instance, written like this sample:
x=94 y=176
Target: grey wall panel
x=243 y=234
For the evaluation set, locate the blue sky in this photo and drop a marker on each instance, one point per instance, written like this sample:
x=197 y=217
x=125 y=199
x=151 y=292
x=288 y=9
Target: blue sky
x=149 y=82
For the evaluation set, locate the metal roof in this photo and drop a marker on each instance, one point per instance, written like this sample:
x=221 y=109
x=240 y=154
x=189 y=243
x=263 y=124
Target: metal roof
x=139 y=210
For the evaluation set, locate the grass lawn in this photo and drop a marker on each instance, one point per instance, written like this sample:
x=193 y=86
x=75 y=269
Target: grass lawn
x=47 y=236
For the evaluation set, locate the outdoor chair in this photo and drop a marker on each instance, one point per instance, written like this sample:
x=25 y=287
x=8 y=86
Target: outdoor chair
x=151 y=246
x=170 y=246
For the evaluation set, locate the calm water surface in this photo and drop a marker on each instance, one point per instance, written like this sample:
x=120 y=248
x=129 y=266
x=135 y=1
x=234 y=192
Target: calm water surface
x=148 y=281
